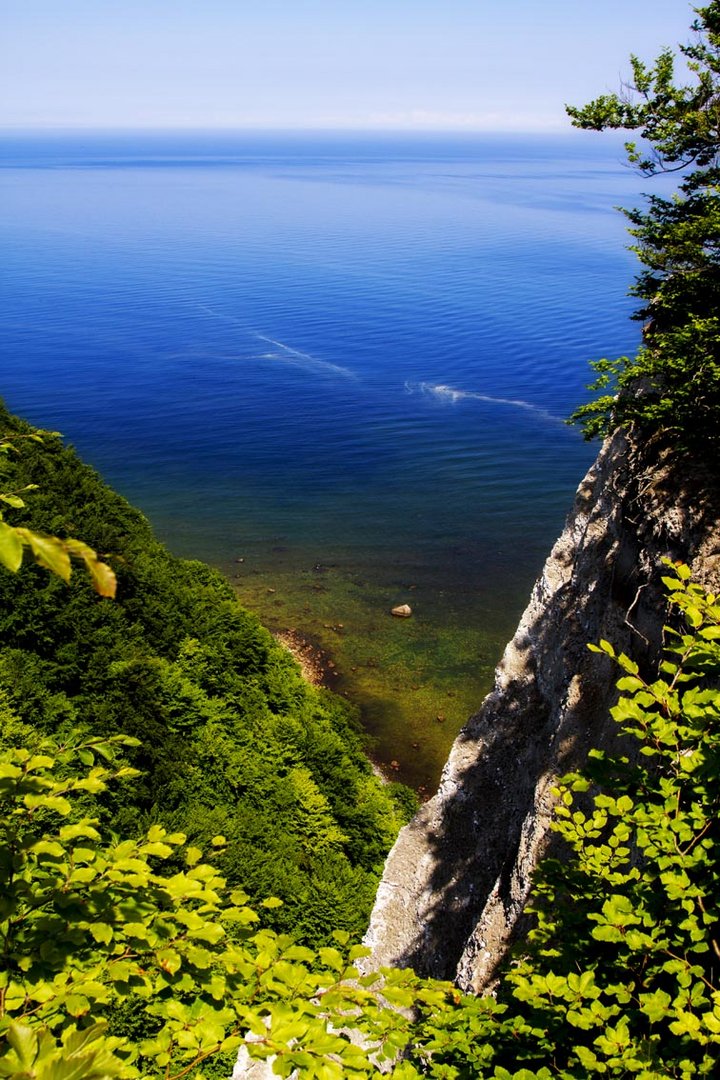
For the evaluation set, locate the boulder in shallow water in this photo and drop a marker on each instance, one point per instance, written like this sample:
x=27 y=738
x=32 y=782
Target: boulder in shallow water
x=402 y=611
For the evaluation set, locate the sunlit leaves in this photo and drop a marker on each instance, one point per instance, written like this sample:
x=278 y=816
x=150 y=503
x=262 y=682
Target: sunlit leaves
x=630 y=922
x=618 y=977
x=88 y=922
x=48 y=551
x=11 y=547
x=54 y=554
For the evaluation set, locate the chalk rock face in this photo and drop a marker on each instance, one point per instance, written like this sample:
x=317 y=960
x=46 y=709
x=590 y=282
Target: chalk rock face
x=456 y=882
x=248 y=1069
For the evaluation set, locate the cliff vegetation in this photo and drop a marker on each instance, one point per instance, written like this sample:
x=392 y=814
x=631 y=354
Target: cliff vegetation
x=671 y=388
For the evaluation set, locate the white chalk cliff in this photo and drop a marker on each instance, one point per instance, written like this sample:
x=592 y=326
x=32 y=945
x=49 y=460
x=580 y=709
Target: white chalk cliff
x=456 y=881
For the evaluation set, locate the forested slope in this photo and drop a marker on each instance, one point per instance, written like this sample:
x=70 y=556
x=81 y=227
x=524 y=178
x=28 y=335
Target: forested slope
x=233 y=741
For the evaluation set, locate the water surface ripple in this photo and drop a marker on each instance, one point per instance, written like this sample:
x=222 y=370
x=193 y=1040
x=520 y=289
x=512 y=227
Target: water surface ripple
x=343 y=360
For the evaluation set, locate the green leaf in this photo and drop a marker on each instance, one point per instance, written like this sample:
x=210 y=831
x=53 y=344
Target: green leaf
x=102 y=932
x=11 y=547
x=77 y=1004
x=103 y=578
x=12 y=500
x=169 y=960
x=331 y=958
x=162 y=851
x=629 y=684
x=193 y=855
x=39 y=761
x=587 y=1058
x=50 y=553
x=58 y=803
x=48 y=847
x=655 y=1005
x=24 y=1042
x=80 y=829
x=201 y=958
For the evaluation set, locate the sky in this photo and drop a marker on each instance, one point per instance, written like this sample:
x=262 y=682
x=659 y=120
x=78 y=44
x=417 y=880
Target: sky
x=475 y=65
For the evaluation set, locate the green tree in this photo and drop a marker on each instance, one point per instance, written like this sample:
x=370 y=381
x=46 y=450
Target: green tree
x=619 y=977
x=673 y=383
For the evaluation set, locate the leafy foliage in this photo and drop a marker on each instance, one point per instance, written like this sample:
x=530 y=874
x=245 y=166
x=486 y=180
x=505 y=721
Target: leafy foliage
x=619 y=976
x=49 y=551
x=231 y=739
x=673 y=384
x=90 y=924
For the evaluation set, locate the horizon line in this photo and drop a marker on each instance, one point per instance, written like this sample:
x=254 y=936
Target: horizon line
x=279 y=129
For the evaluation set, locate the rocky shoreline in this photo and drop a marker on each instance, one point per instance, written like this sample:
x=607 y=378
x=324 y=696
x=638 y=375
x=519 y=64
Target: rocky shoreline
x=309 y=656
x=318 y=671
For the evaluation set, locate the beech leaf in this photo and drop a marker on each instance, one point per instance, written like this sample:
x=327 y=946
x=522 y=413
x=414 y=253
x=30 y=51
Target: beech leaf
x=11 y=547
x=50 y=553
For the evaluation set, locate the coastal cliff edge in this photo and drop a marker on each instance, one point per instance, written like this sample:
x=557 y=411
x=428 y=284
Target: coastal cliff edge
x=457 y=879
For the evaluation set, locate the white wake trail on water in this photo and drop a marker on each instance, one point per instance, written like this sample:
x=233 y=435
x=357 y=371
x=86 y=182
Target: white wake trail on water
x=286 y=354
x=449 y=395
x=303 y=359
x=218 y=314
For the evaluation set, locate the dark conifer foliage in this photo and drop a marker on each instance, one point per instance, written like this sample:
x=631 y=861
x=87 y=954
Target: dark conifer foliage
x=672 y=386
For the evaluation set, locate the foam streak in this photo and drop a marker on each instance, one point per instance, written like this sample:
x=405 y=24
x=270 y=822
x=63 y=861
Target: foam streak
x=302 y=359
x=286 y=353
x=449 y=395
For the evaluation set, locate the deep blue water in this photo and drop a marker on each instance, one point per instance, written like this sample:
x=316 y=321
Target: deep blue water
x=359 y=349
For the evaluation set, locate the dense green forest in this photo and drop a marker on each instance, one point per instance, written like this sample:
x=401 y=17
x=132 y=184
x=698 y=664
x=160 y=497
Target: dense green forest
x=232 y=739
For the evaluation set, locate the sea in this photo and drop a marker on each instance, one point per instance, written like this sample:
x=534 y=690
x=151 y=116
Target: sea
x=336 y=366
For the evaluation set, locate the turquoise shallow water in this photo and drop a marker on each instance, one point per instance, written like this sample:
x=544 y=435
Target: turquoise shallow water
x=352 y=353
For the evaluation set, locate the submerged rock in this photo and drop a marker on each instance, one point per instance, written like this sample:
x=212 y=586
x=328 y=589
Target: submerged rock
x=402 y=611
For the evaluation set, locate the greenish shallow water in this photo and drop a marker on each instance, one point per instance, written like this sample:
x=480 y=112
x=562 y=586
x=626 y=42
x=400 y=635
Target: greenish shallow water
x=416 y=680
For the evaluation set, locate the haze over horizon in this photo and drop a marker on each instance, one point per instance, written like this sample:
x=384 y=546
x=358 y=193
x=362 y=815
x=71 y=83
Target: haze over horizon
x=465 y=65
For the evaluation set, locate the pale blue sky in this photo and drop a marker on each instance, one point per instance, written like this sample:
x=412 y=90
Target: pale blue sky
x=417 y=64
